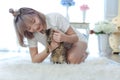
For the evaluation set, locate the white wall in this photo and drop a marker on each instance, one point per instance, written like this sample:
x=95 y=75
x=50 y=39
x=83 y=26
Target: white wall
x=7 y=33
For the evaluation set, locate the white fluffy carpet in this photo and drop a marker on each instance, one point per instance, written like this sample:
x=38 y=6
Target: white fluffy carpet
x=92 y=69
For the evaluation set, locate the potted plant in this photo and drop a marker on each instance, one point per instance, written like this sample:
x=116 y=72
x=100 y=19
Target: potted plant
x=84 y=8
x=103 y=29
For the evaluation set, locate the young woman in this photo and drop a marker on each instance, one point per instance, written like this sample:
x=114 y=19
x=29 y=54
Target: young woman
x=32 y=24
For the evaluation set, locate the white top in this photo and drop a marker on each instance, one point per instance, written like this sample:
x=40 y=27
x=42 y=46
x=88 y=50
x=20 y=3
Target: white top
x=56 y=21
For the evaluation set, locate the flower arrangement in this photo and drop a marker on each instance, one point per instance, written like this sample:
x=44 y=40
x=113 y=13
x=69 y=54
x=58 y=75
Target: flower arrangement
x=103 y=27
x=84 y=7
x=67 y=2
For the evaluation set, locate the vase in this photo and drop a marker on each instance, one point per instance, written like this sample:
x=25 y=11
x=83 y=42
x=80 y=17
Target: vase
x=83 y=16
x=103 y=45
x=67 y=13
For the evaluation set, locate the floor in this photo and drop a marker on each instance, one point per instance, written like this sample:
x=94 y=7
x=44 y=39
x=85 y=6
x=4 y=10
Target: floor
x=14 y=55
x=115 y=57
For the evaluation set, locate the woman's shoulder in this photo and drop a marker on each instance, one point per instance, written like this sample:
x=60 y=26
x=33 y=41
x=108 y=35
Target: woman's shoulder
x=53 y=18
x=54 y=14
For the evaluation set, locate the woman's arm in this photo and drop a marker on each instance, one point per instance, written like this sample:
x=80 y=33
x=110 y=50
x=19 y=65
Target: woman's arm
x=37 y=57
x=70 y=36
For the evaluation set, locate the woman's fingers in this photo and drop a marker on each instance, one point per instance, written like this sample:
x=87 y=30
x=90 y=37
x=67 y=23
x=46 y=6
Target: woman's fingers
x=53 y=45
x=58 y=35
x=57 y=38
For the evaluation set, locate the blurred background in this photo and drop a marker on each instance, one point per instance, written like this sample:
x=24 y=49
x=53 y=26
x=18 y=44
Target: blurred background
x=98 y=10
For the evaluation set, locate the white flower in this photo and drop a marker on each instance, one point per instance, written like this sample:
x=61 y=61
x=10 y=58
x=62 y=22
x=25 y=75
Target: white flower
x=104 y=27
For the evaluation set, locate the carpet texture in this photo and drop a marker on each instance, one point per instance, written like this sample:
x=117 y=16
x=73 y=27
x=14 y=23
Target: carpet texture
x=91 y=69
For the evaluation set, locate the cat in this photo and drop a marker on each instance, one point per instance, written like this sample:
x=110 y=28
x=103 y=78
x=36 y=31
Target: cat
x=58 y=55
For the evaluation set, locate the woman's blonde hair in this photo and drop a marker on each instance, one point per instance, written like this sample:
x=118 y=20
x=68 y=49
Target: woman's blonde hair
x=19 y=23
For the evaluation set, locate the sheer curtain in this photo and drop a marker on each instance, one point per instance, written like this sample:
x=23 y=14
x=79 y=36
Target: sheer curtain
x=8 y=40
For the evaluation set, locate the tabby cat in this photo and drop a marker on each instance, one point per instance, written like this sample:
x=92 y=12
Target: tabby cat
x=58 y=55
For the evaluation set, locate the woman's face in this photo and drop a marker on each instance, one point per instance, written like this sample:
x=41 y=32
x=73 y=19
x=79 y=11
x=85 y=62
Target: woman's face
x=34 y=24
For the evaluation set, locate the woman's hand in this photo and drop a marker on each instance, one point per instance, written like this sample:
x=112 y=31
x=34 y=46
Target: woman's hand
x=58 y=36
x=53 y=46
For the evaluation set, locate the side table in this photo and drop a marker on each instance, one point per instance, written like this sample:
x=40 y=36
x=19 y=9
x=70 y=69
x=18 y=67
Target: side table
x=81 y=26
